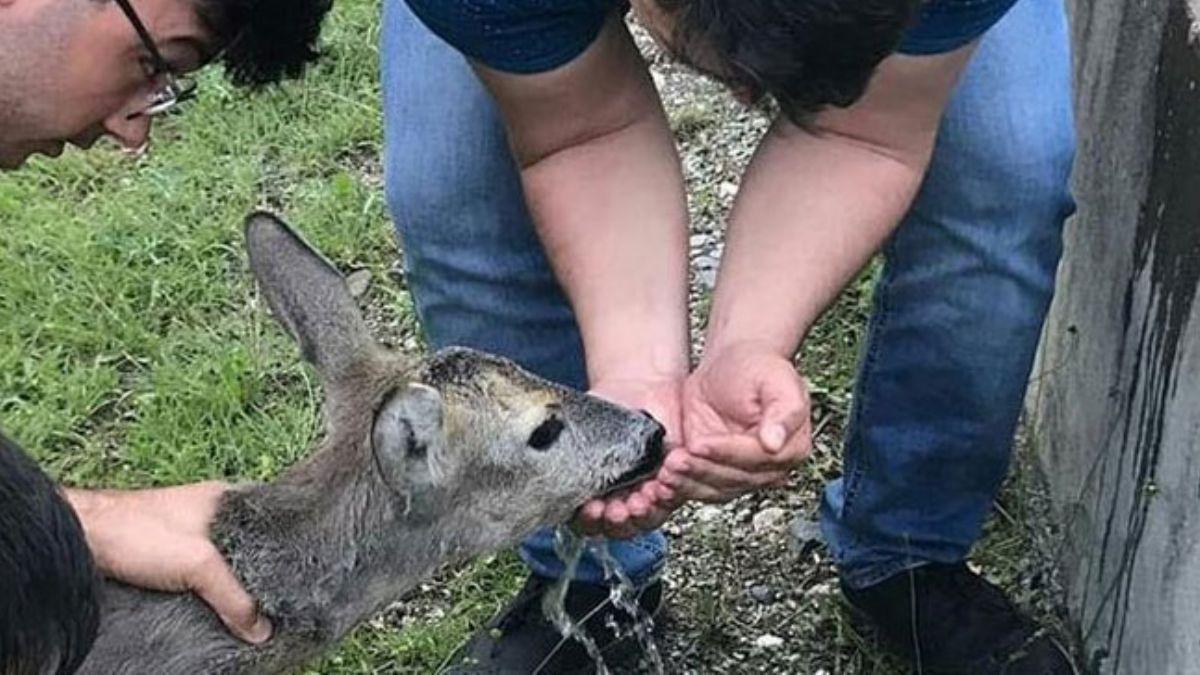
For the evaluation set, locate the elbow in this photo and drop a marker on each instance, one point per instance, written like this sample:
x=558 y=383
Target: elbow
x=532 y=150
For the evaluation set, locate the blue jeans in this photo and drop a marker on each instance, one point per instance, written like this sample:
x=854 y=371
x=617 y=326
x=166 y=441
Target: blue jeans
x=959 y=309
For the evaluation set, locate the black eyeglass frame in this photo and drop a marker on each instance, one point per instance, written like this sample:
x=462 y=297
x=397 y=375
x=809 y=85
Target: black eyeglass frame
x=177 y=88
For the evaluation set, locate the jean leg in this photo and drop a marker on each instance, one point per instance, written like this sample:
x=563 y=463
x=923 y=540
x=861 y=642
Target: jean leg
x=959 y=310
x=477 y=271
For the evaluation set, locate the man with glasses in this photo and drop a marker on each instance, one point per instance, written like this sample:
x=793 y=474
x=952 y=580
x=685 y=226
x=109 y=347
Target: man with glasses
x=72 y=71
x=533 y=178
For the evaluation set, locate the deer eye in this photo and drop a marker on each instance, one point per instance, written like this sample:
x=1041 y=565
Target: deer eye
x=546 y=433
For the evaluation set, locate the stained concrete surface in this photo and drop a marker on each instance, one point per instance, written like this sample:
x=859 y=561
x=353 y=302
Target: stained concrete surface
x=1115 y=405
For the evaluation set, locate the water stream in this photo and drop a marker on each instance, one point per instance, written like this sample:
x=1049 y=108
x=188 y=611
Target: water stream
x=570 y=549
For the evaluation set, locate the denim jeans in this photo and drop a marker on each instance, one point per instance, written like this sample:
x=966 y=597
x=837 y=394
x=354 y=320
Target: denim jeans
x=959 y=309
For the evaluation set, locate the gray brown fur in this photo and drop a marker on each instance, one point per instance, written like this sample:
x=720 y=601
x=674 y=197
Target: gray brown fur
x=422 y=463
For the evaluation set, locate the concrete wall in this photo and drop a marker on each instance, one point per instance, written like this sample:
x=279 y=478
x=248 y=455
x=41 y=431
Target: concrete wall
x=1115 y=402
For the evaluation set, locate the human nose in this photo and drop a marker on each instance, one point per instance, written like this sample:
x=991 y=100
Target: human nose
x=130 y=132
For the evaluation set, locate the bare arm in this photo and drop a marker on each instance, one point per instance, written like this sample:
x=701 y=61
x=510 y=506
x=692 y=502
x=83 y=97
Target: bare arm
x=158 y=539
x=604 y=186
x=817 y=202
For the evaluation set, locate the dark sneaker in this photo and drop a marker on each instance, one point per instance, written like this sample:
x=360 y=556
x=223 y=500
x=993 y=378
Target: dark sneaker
x=521 y=641
x=947 y=620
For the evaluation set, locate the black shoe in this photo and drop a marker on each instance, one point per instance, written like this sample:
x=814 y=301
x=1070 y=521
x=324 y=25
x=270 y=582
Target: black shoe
x=947 y=620
x=521 y=641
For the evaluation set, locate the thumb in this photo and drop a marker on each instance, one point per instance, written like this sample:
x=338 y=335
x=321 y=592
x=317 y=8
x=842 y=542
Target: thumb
x=215 y=584
x=785 y=409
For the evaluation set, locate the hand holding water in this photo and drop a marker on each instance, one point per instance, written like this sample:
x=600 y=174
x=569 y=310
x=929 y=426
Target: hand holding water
x=746 y=421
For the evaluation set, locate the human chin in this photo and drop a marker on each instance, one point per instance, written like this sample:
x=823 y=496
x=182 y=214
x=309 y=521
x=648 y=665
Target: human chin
x=12 y=157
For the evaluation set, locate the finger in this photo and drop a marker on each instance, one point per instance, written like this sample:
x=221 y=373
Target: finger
x=593 y=510
x=664 y=494
x=729 y=478
x=616 y=514
x=697 y=491
x=657 y=494
x=621 y=527
x=652 y=521
x=676 y=462
x=589 y=519
x=785 y=409
x=739 y=451
x=798 y=448
x=654 y=493
x=638 y=506
x=215 y=584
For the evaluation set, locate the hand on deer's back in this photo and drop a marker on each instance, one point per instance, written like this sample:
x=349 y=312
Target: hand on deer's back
x=422 y=462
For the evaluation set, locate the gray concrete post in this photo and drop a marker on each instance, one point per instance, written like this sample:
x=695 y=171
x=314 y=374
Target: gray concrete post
x=1115 y=399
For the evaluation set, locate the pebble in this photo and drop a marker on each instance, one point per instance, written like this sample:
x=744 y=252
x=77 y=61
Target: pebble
x=806 y=535
x=762 y=594
x=768 y=642
x=708 y=514
x=358 y=282
x=769 y=519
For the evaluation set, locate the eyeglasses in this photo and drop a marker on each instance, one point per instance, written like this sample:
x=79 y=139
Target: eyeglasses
x=175 y=89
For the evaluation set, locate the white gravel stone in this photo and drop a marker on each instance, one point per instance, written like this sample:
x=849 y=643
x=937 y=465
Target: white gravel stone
x=768 y=642
x=358 y=282
x=708 y=514
x=769 y=519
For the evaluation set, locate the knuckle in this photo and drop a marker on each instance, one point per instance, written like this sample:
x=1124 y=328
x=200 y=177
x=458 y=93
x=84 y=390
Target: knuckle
x=206 y=563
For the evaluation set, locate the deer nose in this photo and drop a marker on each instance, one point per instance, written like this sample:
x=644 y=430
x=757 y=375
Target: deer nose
x=654 y=443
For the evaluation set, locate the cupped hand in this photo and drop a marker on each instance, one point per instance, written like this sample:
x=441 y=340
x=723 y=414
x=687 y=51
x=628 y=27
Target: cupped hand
x=158 y=539
x=646 y=506
x=746 y=423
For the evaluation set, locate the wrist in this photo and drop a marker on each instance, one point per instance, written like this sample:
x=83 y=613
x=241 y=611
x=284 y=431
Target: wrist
x=86 y=504
x=731 y=343
x=727 y=332
x=90 y=507
x=664 y=361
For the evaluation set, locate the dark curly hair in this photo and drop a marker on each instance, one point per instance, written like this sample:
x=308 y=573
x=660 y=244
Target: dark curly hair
x=264 y=41
x=49 y=585
x=806 y=54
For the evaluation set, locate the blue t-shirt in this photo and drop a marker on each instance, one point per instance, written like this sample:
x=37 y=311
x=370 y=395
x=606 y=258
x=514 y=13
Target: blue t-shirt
x=533 y=36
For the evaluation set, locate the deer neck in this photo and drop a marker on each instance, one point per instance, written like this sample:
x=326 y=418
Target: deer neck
x=323 y=548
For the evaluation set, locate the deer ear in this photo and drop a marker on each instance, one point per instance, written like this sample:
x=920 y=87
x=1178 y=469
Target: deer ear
x=308 y=296
x=408 y=438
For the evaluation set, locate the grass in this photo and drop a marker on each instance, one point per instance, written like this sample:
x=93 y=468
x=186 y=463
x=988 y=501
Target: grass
x=134 y=350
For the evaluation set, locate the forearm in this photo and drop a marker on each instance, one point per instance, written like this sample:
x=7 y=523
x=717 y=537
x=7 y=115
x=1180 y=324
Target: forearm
x=813 y=210
x=818 y=201
x=604 y=187
x=89 y=507
x=612 y=215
